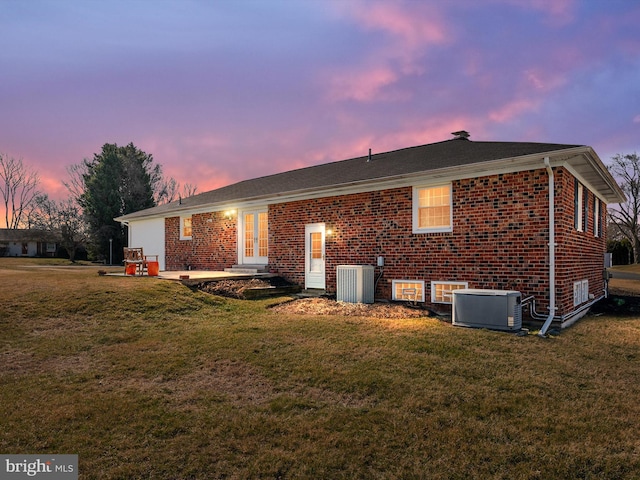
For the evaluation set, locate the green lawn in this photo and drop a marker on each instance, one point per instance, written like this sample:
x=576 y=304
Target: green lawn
x=635 y=268
x=144 y=378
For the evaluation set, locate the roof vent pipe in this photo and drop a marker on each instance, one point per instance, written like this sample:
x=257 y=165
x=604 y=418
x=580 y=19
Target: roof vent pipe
x=369 y=159
x=552 y=251
x=461 y=135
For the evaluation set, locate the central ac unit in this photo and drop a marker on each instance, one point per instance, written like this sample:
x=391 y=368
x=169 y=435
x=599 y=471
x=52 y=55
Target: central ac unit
x=355 y=283
x=493 y=309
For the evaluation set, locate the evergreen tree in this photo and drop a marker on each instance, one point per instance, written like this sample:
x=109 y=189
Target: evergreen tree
x=118 y=181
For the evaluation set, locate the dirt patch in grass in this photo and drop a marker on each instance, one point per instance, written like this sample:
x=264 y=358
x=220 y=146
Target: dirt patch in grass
x=312 y=306
x=326 y=306
x=237 y=288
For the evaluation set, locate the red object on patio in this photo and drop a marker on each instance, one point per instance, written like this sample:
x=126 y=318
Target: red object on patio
x=130 y=269
x=153 y=268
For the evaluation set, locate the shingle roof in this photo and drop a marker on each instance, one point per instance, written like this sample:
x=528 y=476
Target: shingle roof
x=27 y=235
x=412 y=160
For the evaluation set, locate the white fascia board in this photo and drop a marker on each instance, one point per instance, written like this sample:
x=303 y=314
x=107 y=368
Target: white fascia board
x=587 y=156
x=182 y=212
x=571 y=169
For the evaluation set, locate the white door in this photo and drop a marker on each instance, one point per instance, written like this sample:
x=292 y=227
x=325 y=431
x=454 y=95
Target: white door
x=314 y=276
x=254 y=241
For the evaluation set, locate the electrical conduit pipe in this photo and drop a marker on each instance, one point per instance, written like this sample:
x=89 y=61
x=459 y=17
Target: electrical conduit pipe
x=552 y=251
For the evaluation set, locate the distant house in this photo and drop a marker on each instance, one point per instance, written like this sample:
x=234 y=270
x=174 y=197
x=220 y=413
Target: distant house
x=28 y=243
x=442 y=216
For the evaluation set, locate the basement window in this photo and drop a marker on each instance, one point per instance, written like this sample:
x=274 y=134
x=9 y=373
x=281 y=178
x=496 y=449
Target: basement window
x=408 y=290
x=580 y=292
x=186 y=231
x=432 y=210
x=442 y=292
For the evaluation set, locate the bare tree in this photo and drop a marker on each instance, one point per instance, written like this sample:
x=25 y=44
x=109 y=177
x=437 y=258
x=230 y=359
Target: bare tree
x=189 y=190
x=63 y=218
x=169 y=190
x=19 y=187
x=626 y=169
x=165 y=190
x=75 y=184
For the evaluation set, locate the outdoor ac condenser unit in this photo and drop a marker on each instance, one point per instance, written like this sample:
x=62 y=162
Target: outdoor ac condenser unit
x=494 y=309
x=355 y=283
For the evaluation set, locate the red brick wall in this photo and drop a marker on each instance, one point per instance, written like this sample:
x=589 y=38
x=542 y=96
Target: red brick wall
x=579 y=255
x=212 y=247
x=499 y=239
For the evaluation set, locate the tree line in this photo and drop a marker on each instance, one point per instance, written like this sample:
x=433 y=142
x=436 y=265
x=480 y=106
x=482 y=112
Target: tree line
x=116 y=181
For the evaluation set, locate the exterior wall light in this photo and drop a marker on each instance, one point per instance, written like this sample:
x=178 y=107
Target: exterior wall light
x=229 y=214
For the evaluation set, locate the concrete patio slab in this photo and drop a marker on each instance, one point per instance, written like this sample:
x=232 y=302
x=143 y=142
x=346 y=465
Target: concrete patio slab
x=196 y=276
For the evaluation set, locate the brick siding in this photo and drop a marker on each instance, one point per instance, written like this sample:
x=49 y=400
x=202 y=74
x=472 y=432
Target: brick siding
x=499 y=238
x=212 y=247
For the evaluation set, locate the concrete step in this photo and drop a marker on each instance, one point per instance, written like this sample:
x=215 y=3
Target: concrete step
x=248 y=269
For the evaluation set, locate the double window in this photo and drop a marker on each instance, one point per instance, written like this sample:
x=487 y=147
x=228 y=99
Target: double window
x=432 y=209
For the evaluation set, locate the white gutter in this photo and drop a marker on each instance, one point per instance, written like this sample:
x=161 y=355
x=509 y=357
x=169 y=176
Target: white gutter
x=552 y=251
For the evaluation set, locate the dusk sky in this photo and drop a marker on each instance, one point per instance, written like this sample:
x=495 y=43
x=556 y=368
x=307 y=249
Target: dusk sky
x=221 y=91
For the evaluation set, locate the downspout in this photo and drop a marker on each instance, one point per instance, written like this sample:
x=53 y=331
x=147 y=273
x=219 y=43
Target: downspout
x=552 y=251
x=126 y=224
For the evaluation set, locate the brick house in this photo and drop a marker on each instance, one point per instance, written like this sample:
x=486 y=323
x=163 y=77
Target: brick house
x=442 y=216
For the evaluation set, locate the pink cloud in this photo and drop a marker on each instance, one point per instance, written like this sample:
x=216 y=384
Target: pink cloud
x=415 y=132
x=511 y=110
x=544 y=81
x=362 y=86
x=419 y=132
x=410 y=33
x=414 y=30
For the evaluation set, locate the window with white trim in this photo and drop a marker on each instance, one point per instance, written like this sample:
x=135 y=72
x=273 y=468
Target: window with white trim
x=597 y=232
x=578 y=202
x=442 y=292
x=432 y=209
x=408 y=290
x=186 y=231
